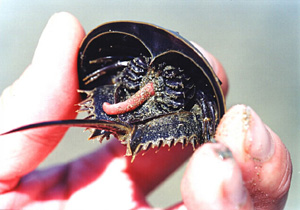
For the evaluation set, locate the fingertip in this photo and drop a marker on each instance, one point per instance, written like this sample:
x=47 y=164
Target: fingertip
x=213 y=180
x=62 y=33
x=47 y=89
x=259 y=152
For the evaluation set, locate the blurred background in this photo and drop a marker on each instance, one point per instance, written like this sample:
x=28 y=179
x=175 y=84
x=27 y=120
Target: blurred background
x=257 y=42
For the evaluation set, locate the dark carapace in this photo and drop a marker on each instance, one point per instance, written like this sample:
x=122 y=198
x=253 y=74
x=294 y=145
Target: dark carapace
x=147 y=86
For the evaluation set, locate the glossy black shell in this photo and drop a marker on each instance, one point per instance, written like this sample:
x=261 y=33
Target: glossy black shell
x=147 y=86
x=125 y=41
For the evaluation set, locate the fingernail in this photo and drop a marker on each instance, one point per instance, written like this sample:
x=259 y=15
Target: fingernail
x=234 y=190
x=259 y=143
x=224 y=153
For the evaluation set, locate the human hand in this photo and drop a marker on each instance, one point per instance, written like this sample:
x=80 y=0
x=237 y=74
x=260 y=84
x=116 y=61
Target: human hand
x=106 y=179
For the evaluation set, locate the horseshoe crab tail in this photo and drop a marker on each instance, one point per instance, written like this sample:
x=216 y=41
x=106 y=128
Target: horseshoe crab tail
x=119 y=129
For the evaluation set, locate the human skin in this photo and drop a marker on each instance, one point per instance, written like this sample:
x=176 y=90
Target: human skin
x=248 y=168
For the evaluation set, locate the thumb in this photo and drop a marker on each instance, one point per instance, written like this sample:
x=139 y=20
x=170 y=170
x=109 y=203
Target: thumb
x=45 y=91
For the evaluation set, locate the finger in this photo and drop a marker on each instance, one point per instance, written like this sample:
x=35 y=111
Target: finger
x=45 y=91
x=262 y=157
x=213 y=180
x=150 y=170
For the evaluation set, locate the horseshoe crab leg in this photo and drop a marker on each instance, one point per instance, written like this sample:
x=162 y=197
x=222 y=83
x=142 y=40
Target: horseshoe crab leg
x=96 y=74
x=108 y=59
